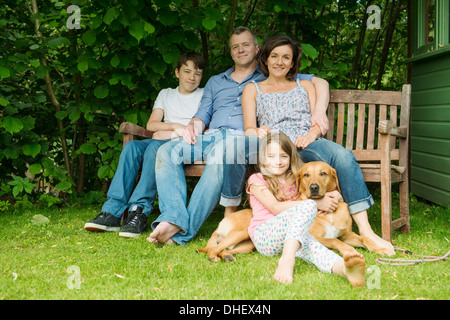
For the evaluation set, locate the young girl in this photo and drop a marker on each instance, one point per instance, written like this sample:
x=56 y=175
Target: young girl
x=280 y=224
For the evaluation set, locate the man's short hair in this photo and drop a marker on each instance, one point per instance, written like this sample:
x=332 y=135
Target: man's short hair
x=240 y=30
x=196 y=58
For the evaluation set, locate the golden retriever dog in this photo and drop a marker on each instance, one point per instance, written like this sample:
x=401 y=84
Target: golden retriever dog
x=333 y=230
x=230 y=237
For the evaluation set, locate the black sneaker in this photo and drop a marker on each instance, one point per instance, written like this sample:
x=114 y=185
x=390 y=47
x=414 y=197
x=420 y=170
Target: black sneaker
x=135 y=223
x=105 y=221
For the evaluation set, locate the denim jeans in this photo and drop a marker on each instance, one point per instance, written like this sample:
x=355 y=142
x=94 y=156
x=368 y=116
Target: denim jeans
x=245 y=151
x=351 y=180
x=135 y=153
x=172 y=187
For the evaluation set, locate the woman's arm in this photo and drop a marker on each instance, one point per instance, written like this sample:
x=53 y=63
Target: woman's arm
x=248 y=102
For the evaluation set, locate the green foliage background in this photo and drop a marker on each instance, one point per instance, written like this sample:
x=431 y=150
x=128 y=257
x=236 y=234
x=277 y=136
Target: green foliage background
x=64 y=92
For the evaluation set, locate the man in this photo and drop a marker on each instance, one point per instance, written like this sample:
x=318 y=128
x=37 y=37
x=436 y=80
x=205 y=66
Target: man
x=176 y=106
x=221 y=111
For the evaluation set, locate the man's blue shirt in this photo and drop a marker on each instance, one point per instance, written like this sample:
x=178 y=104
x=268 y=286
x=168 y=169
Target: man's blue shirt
x=221 y=107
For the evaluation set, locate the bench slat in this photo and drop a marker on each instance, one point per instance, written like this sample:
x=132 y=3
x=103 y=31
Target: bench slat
x=350 y=126
x=371 y=124
x=361 y=126
x=340 y=124
x=367 y=97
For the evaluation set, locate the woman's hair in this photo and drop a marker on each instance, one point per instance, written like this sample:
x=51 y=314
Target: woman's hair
x=296 y=163
x=197 y=59
x=278 y=41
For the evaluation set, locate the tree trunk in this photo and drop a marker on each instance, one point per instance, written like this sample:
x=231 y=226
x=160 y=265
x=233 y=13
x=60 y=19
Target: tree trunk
x=336 y=32
x=362 y=33
x=395 y=9
x=51 y=94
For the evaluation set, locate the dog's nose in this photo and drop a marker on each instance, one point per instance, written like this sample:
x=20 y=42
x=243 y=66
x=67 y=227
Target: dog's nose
x=314 y=188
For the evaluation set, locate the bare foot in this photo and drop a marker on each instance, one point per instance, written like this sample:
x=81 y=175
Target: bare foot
x=163 y=232
x=384 y=247
x=285 y=271
x=355 y=268
x=170 y=242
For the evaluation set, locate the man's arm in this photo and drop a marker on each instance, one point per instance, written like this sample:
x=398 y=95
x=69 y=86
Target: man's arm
x=319 y=115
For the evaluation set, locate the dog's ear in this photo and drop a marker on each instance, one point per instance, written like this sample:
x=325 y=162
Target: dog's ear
x=298 y=179
x=336 y=180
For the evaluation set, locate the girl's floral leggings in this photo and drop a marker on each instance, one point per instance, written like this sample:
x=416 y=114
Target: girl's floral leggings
x=294 y=223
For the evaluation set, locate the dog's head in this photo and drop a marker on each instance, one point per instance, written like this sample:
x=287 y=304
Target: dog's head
x=316 y=178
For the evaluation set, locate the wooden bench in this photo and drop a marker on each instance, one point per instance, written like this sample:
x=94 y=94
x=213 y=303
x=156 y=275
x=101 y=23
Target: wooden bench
x=374 y=125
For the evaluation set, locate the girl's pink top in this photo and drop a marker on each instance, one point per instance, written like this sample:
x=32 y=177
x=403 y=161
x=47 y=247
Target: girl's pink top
x=260 y=213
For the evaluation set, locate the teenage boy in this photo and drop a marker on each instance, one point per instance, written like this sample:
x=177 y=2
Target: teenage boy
x=177 y=107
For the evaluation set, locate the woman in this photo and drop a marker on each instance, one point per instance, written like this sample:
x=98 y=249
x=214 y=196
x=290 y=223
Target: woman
x=282 y=104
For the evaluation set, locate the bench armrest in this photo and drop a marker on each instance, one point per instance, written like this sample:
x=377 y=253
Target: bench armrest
x=135 y=130
x=387 y=127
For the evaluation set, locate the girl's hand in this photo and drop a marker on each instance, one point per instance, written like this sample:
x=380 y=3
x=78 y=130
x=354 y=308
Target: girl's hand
x=328 y=204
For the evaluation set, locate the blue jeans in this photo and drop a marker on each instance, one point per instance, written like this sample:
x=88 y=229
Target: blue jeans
x=135 y=153
x=351 y=180
x=245 y=151
x=172 y=187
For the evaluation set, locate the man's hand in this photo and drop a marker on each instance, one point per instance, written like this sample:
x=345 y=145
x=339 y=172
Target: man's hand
x=190 y=133
x=320 y=118
x=192 y=130
x=262 y=131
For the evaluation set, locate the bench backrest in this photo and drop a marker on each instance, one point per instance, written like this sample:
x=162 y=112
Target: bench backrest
x=354 y=117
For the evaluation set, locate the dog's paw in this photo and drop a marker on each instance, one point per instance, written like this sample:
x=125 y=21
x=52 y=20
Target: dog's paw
x=214 y=259
x=384 y=252
x=229 y=258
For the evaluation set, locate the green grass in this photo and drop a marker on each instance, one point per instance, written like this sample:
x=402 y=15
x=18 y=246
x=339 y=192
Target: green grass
x=35 y=263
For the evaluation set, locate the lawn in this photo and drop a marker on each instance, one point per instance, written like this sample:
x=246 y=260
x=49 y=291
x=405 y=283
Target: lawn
x=59 y=260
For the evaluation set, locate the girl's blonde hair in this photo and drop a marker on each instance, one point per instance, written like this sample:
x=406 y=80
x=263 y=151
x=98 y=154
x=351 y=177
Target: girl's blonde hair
x=296 y=163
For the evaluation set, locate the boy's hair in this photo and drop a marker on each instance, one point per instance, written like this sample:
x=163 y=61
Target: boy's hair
x=277 y=41
x=240 y=30
x=197 y=59
x=296 y=163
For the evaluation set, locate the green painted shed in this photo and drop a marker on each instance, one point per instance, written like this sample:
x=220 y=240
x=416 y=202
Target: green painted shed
x=430 y=99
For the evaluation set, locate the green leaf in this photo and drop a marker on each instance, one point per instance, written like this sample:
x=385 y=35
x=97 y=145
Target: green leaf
x=171 y=56
x=35 y=168
x=83 y=66
x=101 y=91
x=3 y=102
x=111 y=15
x=31 y=149
x=17 y=189
x=58 y=41
x=61 y=114
x=11 y=153
x=309 y=51
x=89 y=37
x=4 y=73
x=149 y=28
x=12 y=125
x=103 y=171
x=115 y=61
x=63 y=186
x=137 y=30
x=88 y=148
x=209 y=23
